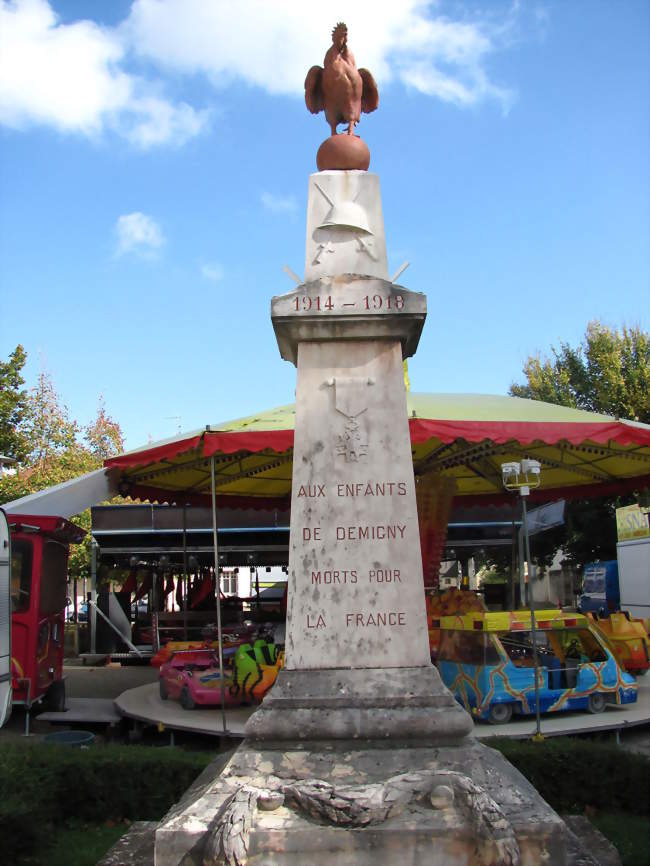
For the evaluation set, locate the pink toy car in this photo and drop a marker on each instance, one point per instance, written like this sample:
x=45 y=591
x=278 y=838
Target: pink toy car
x=192 y=676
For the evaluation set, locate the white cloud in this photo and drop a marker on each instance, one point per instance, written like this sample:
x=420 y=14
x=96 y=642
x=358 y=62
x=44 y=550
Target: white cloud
x=138 y=233
x=212 y=272
x=76 y=76
x=71 y=77
x=279 y=203
x=272 y=45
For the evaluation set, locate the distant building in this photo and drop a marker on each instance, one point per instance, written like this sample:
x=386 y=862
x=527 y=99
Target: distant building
x=7 y=465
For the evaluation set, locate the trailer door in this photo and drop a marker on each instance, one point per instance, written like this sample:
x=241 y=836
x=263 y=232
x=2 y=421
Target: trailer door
x=5 y=620
x=634 y=576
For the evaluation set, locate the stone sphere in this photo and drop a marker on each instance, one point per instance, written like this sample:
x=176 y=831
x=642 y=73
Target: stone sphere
x=269 y=801
x=343 y=152
x=442 y=797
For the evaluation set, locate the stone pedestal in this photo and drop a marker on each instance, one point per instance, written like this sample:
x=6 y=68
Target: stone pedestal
x=370 y=703
x=364 y=803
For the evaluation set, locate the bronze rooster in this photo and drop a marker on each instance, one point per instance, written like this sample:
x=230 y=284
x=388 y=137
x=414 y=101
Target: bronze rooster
x=340 y=88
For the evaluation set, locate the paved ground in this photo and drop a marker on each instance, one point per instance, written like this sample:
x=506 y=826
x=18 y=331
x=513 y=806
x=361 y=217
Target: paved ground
x=106 y=682
x=111 y=681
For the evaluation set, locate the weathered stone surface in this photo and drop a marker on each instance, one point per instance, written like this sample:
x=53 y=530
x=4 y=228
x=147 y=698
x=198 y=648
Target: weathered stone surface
x=418 y=833
x=348 y=307
x=345 y=225
x=588 y=845
x=135 y=848
x=356 y=595
x=351 y=704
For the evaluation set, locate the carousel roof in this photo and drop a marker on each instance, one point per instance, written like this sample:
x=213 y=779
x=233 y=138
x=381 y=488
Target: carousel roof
x=461 y=436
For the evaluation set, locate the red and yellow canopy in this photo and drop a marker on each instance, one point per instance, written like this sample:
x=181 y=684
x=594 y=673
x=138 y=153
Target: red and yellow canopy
x=461 y=436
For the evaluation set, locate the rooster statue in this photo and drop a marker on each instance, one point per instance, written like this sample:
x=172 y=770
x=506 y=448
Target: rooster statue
x=340 y=88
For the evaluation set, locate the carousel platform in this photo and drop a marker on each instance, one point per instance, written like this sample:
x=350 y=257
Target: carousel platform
x=144 y=705
x=90 y=711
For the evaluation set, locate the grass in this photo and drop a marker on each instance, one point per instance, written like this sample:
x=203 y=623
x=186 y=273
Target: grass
x=74 y=843
x=630 y=834
x=78 y=844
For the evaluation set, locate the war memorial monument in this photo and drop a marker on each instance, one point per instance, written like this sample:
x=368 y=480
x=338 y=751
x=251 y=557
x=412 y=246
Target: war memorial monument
x=359 y=754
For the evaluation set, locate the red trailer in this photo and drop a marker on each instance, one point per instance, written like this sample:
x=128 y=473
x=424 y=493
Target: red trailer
x=39 y=569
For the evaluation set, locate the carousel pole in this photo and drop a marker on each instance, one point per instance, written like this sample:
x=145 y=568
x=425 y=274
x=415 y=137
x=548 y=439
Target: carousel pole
x=186 y=577
x=218 y=587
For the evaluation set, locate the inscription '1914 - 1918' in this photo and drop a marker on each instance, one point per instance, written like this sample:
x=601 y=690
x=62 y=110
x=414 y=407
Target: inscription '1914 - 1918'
x=325 y=303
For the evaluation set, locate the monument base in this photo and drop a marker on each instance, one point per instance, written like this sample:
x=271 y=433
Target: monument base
x=362 y=703
x=365 y=803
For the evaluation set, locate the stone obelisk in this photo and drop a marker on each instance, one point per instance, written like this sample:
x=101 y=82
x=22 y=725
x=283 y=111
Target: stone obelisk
x=358 y=754
x=357 y=651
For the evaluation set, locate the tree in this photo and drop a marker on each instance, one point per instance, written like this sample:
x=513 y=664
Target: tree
x=609 y=372
x=46 y=425
x=12 y=405
x=57 y=468
x=104 y=437
x=53 y=453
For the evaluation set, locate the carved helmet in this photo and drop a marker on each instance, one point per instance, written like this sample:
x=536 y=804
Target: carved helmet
x=349 y=215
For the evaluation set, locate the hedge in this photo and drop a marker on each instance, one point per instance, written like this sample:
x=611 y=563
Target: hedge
x=42 y=785
x=572 y=773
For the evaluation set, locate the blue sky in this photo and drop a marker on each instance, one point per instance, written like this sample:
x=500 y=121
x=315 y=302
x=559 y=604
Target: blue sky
x=153 y=179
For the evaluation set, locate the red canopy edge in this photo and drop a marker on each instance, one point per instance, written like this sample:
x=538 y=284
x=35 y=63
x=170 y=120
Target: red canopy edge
x=249 y=440
x=527 y=432
x=56 y=527
x=154 y=455
x=157 y=494
x=421 y=429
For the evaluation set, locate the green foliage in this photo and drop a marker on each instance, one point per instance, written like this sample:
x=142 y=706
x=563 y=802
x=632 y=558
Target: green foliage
x=577 y=775
x=42 y=786
x=57 y=468
x=591 y=529
x=46 y=425
x=48 y=444
x=12 y=405
x=628 y=833
x=494 y=576
x=103 y=437
x=572 y=774
x=77 y=844
x=609 y=372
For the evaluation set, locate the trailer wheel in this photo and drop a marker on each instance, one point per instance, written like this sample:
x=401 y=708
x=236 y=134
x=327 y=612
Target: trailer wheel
x=56 y=697
x=164 y=694
x=187 y=702
x=499 y=714
x=596 y=703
